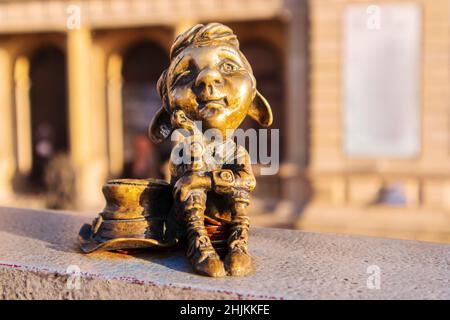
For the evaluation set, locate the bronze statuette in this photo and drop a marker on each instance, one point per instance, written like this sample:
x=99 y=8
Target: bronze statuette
x=206 y=92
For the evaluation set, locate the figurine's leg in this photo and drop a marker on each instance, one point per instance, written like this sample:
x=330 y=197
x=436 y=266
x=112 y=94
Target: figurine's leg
x=201 y=253
x=238 y=261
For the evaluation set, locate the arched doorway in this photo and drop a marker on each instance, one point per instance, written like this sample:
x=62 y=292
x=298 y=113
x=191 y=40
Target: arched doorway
x=143 y=63
x=268 y=71
x=48 y=106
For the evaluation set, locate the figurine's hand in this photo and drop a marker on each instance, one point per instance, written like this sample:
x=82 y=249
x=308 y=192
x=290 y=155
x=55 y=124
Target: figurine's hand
x=223 y=181
x=190 y=182
x=226 y=182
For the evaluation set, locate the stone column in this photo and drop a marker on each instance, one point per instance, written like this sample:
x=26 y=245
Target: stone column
x=98 y=76
x=23 y=114
x=99 y=116
x=297 y=80
x=296 y=75
x=7 y=161
x=115 y=121
x=89 y=172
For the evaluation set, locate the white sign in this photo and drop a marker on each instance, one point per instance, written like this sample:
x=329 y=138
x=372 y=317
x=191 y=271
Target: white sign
x=381 y=76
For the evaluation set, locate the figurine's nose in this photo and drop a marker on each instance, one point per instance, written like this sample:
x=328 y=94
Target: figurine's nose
x=207 y=81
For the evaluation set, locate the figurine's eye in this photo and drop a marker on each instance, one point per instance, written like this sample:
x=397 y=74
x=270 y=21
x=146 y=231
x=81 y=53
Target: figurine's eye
x=183 y=77
x=229 y=67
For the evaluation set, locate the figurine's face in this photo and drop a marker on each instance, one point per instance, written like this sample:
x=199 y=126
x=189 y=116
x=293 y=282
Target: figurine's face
x=211 y=84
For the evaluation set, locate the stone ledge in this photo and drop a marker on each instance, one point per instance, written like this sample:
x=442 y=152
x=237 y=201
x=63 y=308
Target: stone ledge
x=37 y=247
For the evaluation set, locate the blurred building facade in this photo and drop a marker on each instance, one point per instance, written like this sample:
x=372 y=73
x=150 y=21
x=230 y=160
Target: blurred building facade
x=379 y=118
x=359 y=91
x=79 y=78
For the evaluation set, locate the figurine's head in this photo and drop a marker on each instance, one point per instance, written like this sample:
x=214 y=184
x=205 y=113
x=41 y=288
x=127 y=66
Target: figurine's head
x=211 y=81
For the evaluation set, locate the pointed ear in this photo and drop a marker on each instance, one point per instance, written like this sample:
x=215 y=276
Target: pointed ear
x=260 y=110
x=160 y=127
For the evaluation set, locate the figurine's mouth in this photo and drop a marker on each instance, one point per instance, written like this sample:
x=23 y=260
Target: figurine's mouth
x=212 y=108
x=214 y=103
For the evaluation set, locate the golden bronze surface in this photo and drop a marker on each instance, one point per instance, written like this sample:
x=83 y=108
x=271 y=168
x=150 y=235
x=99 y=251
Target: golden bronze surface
x=209 y=84
x=133 y=217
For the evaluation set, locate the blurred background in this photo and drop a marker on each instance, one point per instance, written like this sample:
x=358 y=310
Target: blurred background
x=359 y=92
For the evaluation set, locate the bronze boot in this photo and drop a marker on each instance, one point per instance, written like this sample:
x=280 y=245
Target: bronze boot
x=201 y=253
x=238 y=261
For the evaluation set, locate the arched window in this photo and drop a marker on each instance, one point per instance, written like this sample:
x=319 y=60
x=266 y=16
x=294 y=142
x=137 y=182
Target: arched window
x=268 y=71
x=143 y=63
x=48 y=107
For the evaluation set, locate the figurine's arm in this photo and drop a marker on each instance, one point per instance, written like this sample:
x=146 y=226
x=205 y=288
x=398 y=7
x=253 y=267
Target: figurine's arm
x=243 y=174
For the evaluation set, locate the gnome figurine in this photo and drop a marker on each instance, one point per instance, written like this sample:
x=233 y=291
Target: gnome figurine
x=209 y=81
